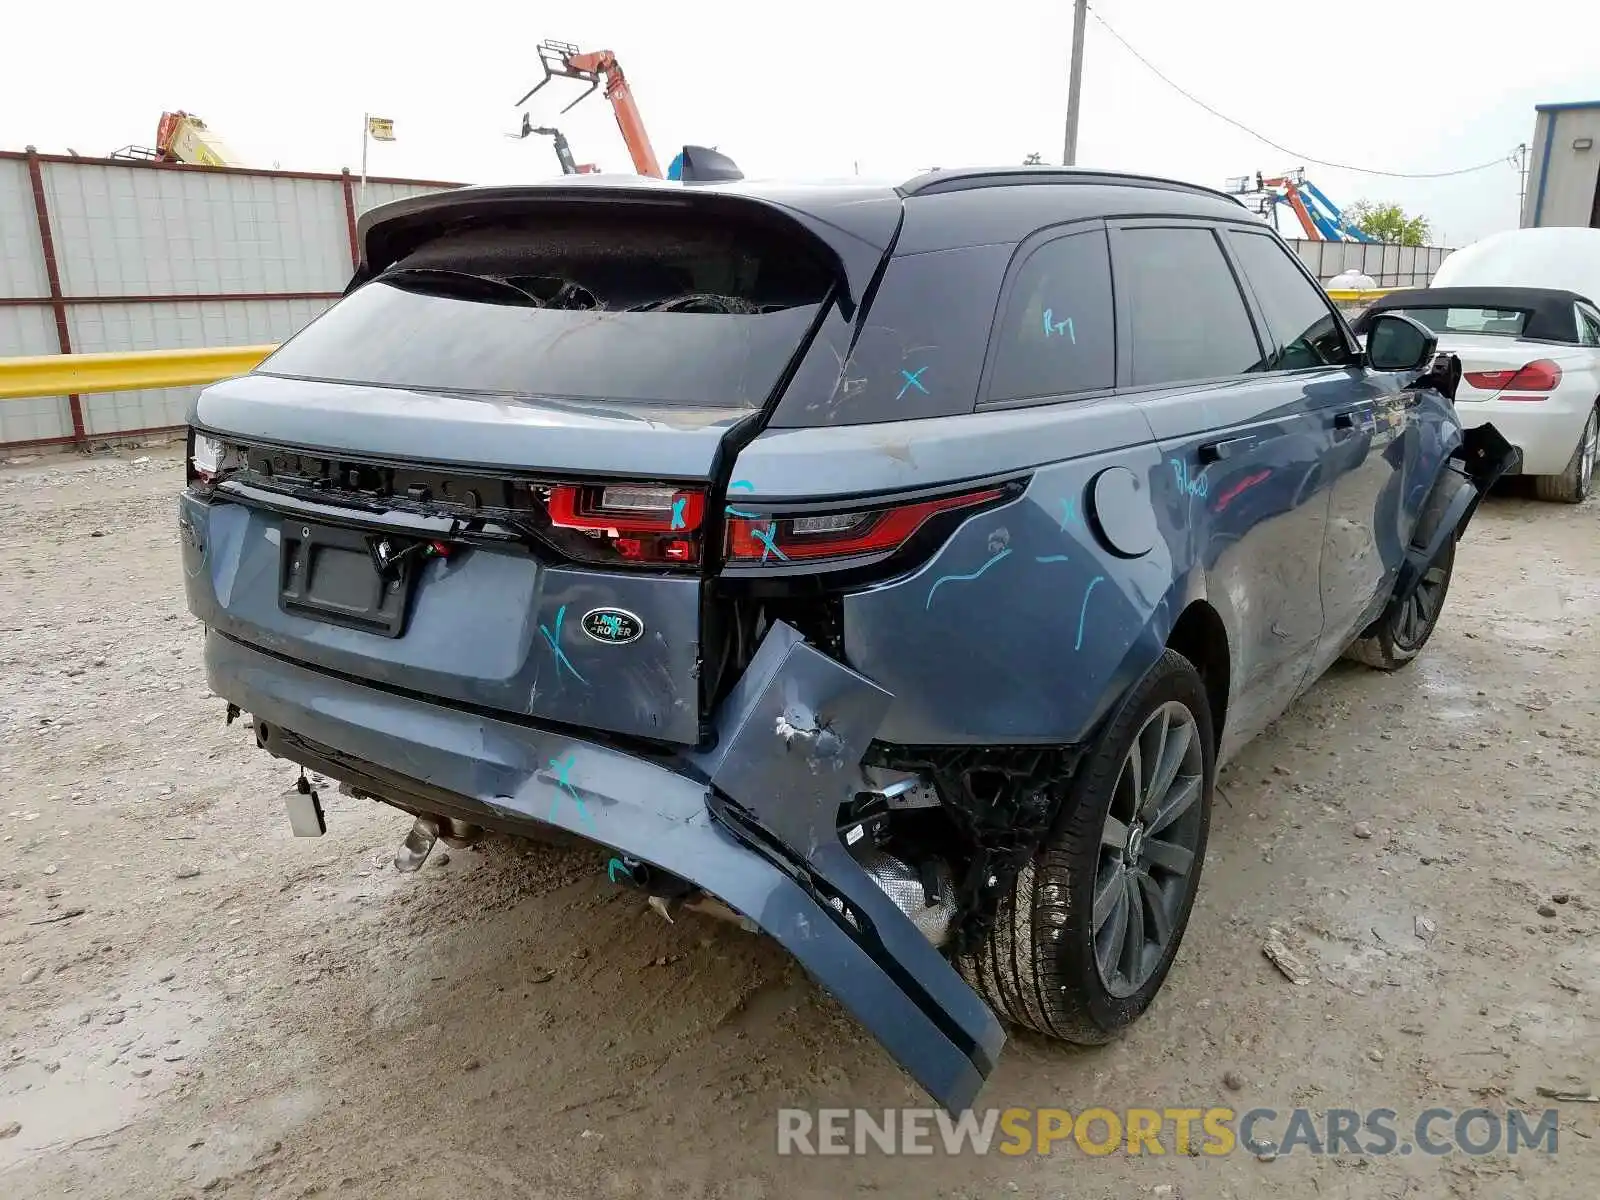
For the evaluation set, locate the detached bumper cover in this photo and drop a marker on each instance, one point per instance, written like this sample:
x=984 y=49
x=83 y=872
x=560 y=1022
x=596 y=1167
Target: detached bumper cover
x=753 y=822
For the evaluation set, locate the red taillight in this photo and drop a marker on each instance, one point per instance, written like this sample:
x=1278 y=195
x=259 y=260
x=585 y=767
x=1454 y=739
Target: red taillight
x=839 y=535
x=1541 y=375
x=641 y=523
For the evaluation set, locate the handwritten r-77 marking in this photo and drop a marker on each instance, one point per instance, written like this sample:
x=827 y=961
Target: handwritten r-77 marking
x=1063 y=328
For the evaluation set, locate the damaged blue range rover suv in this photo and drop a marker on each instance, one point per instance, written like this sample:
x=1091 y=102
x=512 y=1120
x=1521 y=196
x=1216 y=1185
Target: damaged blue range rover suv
x=889 y=567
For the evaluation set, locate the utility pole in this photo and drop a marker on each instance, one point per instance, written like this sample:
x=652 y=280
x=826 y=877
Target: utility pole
x=1521 y=153
x=1080 y=18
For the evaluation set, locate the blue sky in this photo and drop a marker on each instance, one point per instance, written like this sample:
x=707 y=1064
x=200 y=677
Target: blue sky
x=828 y=87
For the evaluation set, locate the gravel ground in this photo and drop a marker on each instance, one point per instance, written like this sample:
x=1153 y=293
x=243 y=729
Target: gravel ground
x=193 y=1002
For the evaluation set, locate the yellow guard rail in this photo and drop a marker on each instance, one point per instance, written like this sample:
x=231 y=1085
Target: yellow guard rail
x=76 y=374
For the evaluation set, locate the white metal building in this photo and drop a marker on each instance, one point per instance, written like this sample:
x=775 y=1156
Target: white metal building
x=1564 y=166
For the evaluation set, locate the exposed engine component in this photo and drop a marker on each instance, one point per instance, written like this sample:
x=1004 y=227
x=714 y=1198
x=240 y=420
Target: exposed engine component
x=1001 y=802
x=902 y=789
x=931 y=909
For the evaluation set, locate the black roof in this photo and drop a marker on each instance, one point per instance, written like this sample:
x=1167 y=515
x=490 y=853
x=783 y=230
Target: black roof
x=937 y=210
x=1549 y=311
x=871 y=211
x=965 y=178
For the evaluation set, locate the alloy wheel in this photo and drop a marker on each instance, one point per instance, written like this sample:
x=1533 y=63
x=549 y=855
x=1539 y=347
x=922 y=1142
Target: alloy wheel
x=1421 y=609
x=1591 y=434
x=1148 y=847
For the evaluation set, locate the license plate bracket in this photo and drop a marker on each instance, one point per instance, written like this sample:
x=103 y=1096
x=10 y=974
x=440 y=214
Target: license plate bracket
x=328 y=573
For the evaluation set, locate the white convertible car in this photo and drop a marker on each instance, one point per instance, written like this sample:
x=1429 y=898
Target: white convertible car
x=1517 y=309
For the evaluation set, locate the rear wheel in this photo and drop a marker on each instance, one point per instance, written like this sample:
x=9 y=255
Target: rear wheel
x=1086 y=937
x=1572 y=485
x=1404 y=630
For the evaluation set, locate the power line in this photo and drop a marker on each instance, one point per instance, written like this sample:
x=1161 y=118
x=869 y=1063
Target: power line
x=1260 y=137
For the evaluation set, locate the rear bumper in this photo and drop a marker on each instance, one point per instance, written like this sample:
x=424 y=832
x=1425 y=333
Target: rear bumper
x=1545 y=431
x=753 y=822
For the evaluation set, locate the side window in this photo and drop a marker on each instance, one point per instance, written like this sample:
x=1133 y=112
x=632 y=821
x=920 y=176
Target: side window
x=1057 y=335
x=1588 y=326
x=1188 y=318
x=1298 y=314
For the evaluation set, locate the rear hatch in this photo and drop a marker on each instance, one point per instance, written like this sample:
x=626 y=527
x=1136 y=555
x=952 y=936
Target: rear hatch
x=492 y=473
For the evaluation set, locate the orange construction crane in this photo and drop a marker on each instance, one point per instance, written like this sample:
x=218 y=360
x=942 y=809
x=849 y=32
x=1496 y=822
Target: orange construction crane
x=595 y=68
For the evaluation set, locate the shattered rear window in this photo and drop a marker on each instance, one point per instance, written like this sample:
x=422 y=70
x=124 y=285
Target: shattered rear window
x=673 y=311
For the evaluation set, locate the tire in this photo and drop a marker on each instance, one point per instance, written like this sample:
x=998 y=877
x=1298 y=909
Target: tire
x=1039 y=967
x=1572 y=485
x=1401 y=633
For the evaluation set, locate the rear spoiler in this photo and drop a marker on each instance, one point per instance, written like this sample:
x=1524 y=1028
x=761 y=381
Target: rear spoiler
x=391 y=231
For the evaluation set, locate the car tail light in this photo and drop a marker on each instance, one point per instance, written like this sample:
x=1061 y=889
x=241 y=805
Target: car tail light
x=640 y=523
x=208 y=460
x=840 y=535
x=206 y=456
x=1541 y=375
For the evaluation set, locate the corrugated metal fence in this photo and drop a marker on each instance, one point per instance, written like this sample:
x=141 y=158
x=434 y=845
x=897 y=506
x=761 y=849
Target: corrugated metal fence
x=99 y=255
x=1389 y=266
x=102 y=256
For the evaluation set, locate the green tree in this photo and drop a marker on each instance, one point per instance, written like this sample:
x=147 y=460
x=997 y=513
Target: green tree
x=1388 y=223
x=1034 y=160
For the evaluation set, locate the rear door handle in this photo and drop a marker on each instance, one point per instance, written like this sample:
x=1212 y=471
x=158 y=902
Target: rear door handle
x=1211 y=452
x=1346 y=419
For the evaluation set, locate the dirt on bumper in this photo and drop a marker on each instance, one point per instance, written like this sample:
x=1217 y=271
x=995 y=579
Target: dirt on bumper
x=753 y=822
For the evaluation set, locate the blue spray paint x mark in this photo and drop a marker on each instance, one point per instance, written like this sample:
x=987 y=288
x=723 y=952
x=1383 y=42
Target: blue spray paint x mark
x=555 y=645
x=998 y=555
x=741 y=485
x=1059 y=328
x=1197 y=486
x=1048 y=558
x=677 y=511
x=1084 y=611
x=768 y=546
x=565 y=785
x=1069 y=513
x=913 y=380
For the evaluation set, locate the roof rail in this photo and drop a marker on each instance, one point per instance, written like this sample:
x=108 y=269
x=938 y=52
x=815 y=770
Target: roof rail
x=960 y=179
